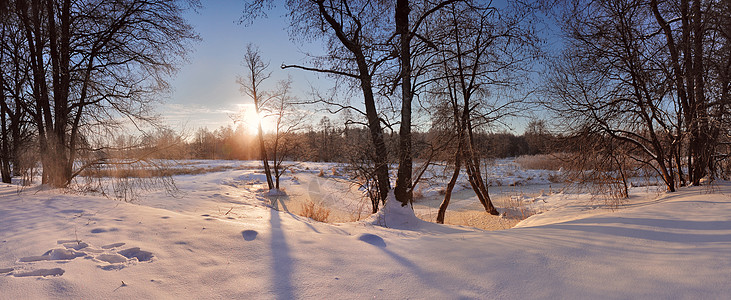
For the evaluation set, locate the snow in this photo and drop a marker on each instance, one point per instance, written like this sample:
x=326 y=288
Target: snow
x=219 y=238
x=395 y=215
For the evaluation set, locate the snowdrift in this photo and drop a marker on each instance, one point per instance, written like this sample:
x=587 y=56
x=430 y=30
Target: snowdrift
x=220 y=241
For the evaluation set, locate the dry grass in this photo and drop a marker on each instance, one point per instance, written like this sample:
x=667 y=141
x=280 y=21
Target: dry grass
x=610 y=190
x=473 y=218
x=554 y=161
x=315 y=211
x=515 y=208
x=418 y=194
x=556 y=178
x=133 y=172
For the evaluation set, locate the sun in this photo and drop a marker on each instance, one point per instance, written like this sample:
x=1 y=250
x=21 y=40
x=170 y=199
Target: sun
x=250 y=120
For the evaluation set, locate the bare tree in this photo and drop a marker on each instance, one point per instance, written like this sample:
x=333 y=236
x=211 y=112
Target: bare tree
x=354 y=33
x=600 y=163
x=256 y=74
x=685 y=80
x=719 y=68
x=5 y=111
x=481 y=50
x=91 y=62
x=288 y=120
x=407 y=30
x=537 y=137
x=14 y=79
x=639 y=72
x=361 y=40
x=607 y=82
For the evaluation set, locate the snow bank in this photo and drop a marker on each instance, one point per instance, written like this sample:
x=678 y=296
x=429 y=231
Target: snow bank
x=393 y=215
x=219 y=240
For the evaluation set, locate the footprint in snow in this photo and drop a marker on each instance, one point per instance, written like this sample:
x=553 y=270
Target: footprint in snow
x=54 y=254
x=41 y=272
x=67 y=241
x=115 y=245
x=76 y=245
x=101 y=230
x=110 y=258
x=373 y=240
x=119 y=260
x=135 y=252
x=249 y=235
x=112 y=267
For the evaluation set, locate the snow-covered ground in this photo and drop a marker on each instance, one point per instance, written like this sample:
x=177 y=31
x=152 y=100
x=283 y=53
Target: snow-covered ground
x=219 y=238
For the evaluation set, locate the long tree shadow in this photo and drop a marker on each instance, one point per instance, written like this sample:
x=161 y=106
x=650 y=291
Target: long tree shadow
x=281 y=260
x=277 y=201
x=428 y=277
x=279 y=204
x=661 y=223
x=653 y=235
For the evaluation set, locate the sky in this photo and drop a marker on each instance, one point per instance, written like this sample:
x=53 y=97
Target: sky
x=204 y=91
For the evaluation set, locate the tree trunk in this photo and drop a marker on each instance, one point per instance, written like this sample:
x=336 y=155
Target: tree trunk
x=380 y=158
x=403 y=190
x=263 y=153
x=5 y=156
x=478 y=187
x=277 y=161
x=702 y=143
x=356 y=46
x=276 y=179
x=451 y=184
x=472 y=164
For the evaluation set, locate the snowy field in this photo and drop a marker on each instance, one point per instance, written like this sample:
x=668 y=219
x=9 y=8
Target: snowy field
x=218 y=237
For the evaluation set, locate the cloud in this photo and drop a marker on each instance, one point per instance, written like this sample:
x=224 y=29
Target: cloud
x=196 y=115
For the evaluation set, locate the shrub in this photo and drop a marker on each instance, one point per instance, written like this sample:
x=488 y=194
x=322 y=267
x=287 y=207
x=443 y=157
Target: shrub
x=556 y=178
x=541 y=161
x=315 y=211
x=418 y=194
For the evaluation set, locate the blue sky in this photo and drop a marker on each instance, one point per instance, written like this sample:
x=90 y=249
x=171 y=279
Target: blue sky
x=205 y=91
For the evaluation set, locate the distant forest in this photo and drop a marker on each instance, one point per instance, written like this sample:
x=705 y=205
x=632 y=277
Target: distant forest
x=326 y=143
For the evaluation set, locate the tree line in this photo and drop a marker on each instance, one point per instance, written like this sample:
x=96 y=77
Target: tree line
x=322 y=142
